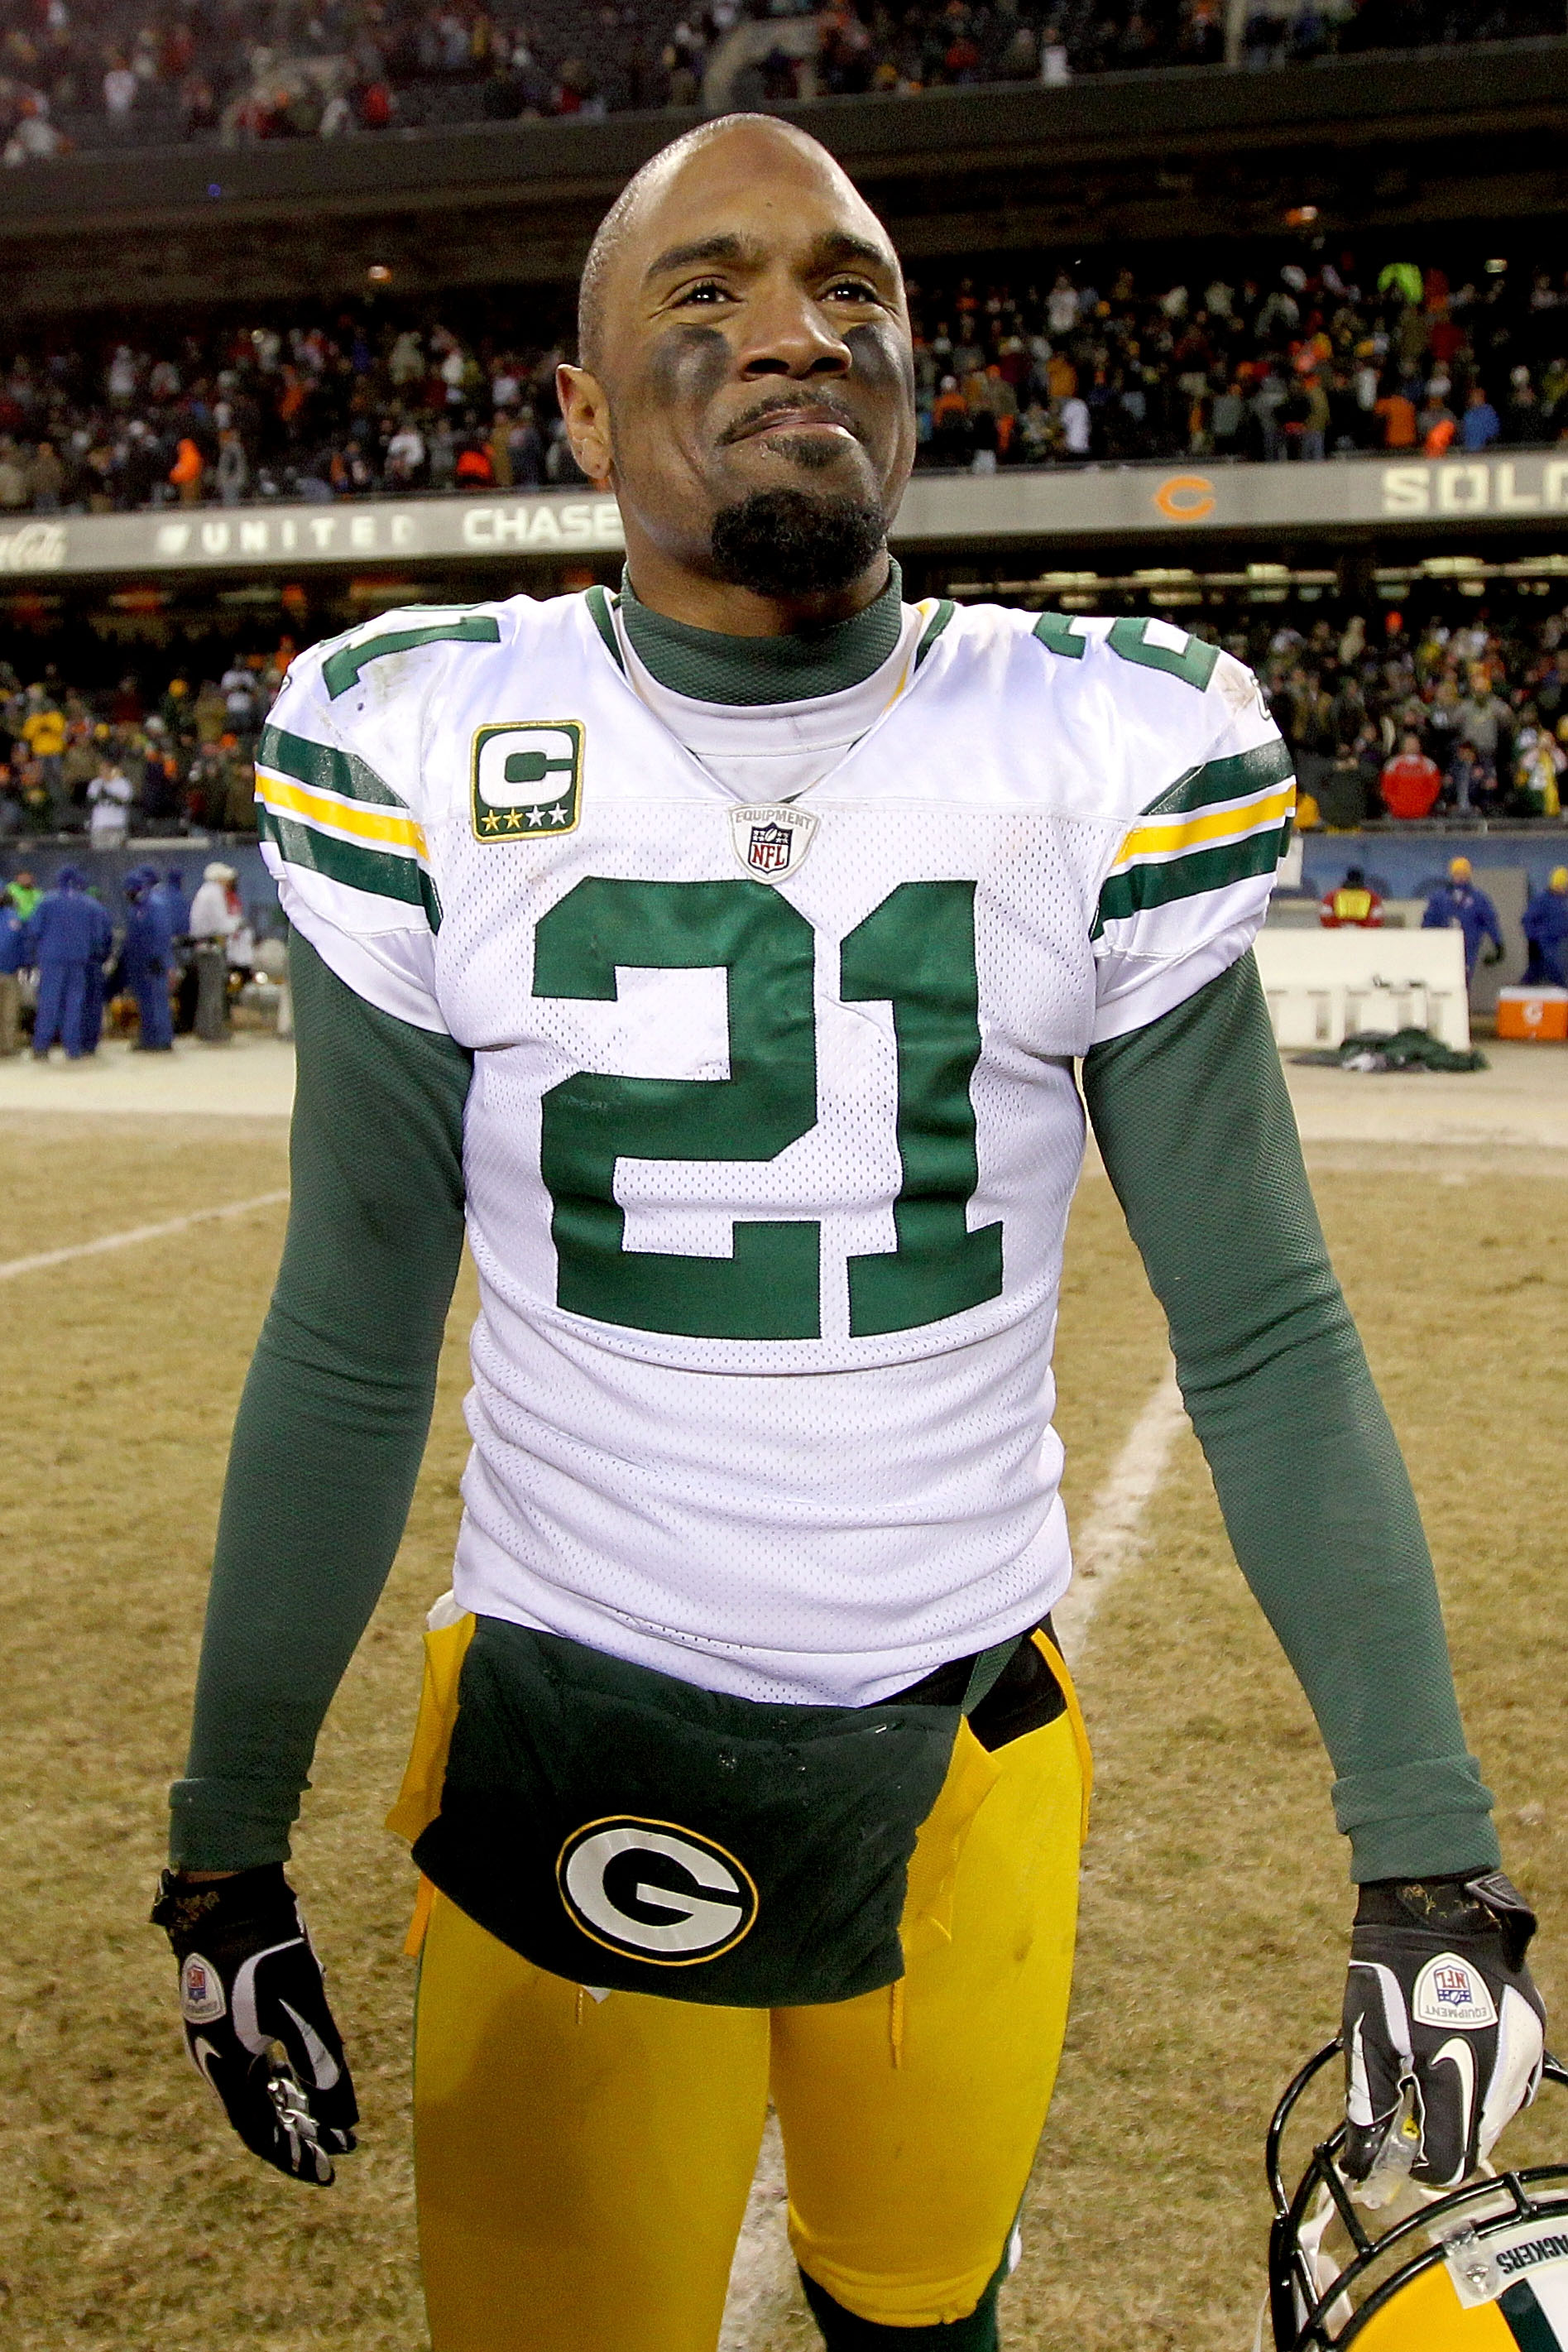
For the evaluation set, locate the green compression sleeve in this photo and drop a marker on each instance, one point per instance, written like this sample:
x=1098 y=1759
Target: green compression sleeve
x=335 y=1412
x=1195 y=1124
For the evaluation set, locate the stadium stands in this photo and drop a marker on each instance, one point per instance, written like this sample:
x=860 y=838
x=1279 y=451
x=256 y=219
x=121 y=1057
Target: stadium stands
x=215 y=72
x=1306 y=359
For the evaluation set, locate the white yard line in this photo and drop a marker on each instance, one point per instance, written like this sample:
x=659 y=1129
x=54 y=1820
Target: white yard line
x=1111 y=1537
x=762 y=2276
x=106 y=1241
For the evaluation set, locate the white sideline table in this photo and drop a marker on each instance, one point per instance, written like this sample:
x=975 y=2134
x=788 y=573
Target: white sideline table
x=1323 y=986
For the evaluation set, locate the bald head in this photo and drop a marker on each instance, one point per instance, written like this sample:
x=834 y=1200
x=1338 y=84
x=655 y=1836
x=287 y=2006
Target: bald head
x=755 y=141
x=746 y=385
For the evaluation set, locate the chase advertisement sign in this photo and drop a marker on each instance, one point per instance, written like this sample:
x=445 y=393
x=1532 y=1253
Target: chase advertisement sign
x=1437 y=496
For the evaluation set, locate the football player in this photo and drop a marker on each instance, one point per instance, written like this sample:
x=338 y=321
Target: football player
x=721 y=952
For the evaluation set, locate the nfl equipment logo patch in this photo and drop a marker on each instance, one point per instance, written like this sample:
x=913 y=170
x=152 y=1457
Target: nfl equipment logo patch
x=1449 y=1991
x=771 y=841
x=528 y=780
x=202 y=1999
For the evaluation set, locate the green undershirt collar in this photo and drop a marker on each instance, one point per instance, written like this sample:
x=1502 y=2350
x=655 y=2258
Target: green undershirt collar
x=707 y=665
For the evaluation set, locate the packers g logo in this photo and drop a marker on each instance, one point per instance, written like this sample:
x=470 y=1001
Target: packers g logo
x=528 y=778
x=654 y=1891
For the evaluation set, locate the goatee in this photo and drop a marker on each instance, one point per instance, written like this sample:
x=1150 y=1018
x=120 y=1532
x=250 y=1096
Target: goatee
x=795 y=543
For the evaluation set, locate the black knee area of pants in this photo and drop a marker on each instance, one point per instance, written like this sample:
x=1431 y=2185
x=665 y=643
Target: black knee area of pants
x=844 y=2332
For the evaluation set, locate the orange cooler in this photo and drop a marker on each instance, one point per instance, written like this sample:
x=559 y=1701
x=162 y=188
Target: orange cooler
x=1539 y=1013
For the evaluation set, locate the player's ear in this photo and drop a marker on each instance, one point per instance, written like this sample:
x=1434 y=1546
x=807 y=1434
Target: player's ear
x=586 y=410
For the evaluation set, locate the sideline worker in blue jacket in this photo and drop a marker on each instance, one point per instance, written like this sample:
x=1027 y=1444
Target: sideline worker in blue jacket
x=1457 y=900
x=173 y=899
x=15 y=956
x=68 y=935
x=1546 y=933
x=144 y=955
x=97 y=1000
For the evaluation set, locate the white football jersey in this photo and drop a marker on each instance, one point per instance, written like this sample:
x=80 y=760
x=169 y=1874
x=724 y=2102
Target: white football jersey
x=773 y=1126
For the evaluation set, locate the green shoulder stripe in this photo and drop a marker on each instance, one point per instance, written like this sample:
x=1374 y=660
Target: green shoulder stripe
x=342 y=670
x=598 y=602
x=933 y=629
x=1225 y=780
x=325 y=770
x=1141 y=887
x=350 y=864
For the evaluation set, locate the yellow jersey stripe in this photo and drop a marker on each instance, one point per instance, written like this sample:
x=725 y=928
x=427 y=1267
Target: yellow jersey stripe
x=1172 y=837
x=352 y=818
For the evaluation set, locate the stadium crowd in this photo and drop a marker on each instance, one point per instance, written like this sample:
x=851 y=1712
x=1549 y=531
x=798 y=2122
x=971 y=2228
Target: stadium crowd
x=869 y=46
x=1461 y=713
x=1317 y=357
x=170 y=760
x=127 y=72
x=1313 y=358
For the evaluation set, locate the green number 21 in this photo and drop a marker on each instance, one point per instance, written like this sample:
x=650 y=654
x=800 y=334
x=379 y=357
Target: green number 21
x=917 y=950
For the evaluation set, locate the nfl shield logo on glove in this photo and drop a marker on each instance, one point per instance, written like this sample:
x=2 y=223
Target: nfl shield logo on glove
x=771 y=841
x=202 y=2000
x=1449 y=1991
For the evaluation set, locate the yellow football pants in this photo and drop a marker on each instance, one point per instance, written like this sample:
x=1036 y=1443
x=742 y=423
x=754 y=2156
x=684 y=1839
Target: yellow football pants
x=583 y=2165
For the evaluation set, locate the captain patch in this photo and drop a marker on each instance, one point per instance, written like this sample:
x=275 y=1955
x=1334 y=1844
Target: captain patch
x=528 y=780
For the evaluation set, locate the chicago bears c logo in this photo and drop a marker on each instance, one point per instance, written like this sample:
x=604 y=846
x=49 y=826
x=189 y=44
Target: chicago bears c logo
x=654 y=1890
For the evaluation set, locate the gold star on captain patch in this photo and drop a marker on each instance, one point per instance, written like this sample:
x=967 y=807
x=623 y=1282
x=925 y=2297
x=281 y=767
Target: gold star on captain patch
x=492 y=822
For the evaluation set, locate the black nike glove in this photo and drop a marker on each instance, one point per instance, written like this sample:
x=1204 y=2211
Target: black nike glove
x=250 y=1984
x=1439 y=2009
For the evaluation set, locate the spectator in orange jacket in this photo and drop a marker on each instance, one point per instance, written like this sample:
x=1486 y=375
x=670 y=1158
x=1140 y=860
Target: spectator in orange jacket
x=1399 y=415
x=1410 y=783
x=186 y=471
x=1353 y=906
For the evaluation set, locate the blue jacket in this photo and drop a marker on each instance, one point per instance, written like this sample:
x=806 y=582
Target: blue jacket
x=68 y=927
x=1479 y=428
x=174 y=903
x=1546 y=919
x=145 y=947
x=13 y=939
x=1461 y=903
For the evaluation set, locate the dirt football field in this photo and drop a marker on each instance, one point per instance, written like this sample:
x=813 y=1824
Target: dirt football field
x=1215 y=1900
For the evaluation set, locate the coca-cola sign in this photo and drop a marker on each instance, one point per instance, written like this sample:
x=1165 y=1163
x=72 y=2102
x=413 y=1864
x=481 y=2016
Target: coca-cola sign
x=34 y=547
